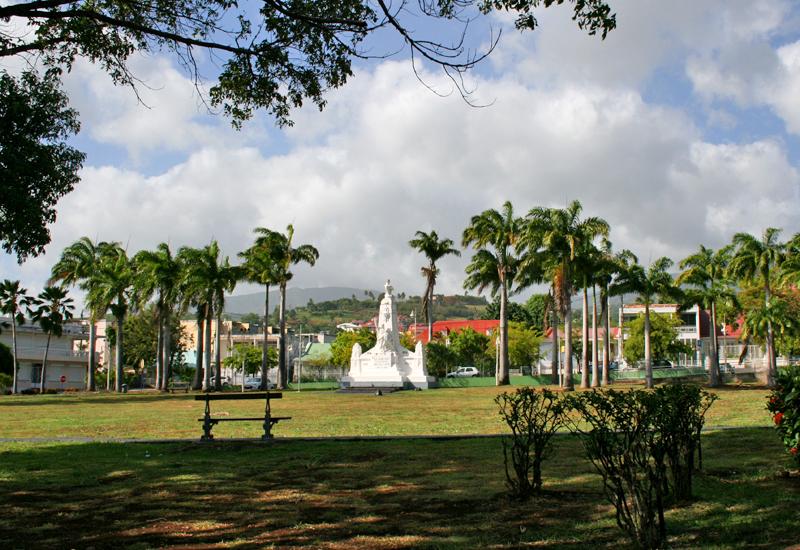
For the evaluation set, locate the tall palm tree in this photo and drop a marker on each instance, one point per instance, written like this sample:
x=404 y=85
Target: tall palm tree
x=78 y=265
x=13 y=298
x=286 y=256
x=648 y=284
x=563 y=235
x=586 y=265
x=51 y=309
x=111 y=289
x=208 y=277
x=705 y=272
x=158 y=273
x=757 y=260
x=260 y=266
x=494 y=265
x=434 y=249
x=609 y=266
x=195 y=292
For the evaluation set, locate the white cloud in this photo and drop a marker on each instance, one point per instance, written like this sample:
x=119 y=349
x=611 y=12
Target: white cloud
x=409 y=160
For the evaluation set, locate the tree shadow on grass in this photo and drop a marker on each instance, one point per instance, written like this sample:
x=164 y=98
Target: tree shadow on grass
x=369 y=494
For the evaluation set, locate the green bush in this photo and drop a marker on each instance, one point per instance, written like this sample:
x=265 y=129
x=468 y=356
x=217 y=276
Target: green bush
x=533 y=417
x=6 y=381
x=784 y=404
x=643 y=444
x=679 y=418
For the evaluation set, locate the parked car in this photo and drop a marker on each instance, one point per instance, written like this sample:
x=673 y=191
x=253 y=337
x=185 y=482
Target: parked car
x=463 y=372
x=255 y=384
x=662 y=364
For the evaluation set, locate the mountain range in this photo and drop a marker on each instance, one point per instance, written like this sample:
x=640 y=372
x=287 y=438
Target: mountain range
x=254 y=303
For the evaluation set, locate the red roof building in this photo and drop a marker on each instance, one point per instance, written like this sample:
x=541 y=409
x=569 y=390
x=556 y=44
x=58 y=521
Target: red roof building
x=483 y=326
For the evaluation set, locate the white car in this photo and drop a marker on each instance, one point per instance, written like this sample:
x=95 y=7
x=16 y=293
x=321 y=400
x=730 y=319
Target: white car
x=255 y=384
x=463 y=372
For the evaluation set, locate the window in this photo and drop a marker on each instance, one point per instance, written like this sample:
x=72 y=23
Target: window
x=36 y=374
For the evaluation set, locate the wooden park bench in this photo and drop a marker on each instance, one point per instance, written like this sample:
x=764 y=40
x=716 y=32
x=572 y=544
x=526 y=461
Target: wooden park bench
x=267 y=419
x=179 y=386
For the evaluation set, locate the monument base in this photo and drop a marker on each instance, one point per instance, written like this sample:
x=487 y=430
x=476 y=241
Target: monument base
x=423 y=382
x=349 y=382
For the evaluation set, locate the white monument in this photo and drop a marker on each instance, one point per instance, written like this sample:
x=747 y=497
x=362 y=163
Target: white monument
x=388 y=364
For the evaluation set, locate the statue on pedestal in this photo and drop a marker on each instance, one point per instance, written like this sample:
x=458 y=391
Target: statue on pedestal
x=388 y=364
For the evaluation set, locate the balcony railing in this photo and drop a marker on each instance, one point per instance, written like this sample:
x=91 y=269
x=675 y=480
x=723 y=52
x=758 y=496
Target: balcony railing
x=38 y=351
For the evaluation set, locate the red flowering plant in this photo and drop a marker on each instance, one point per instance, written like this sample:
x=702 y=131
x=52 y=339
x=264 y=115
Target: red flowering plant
x=784 y=405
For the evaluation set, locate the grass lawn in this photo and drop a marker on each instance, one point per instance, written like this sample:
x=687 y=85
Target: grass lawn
x=353 y=494
x=368 y=494
x=445 y=411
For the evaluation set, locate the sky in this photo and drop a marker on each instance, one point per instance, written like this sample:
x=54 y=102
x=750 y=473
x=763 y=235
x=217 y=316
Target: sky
x=680 y=129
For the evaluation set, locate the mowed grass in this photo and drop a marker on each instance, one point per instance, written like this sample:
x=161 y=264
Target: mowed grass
x=446 y=411
x=369 y=494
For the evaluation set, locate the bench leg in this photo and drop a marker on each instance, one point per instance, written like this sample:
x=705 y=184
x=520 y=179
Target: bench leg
x=207 y=424
x=267 y=429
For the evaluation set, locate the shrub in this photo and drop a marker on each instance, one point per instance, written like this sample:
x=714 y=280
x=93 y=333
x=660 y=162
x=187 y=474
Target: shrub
x=679 y=418
x=6 y=380
x=533 y=417
x=620 y=443
x=784 y=404
x=643 y=445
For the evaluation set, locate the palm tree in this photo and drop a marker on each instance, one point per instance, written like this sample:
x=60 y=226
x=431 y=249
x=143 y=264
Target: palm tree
x=51 y=309
x=78 y=265
x=586 y=266
x=158 y=273
x=260 y=266
x=207 y=278
x=110 y=289
x=648 y=284
x=758 y=260
x=12 y=299
x=705 y=272
x=494 y=265
x=609 y=266
x=563 y=235
x=434 y=249
x=286 y=256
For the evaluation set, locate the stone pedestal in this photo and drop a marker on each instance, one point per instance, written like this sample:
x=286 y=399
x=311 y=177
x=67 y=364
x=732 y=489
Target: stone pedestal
x=388 y=364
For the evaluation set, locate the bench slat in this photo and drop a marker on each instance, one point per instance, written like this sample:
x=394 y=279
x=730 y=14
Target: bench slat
x=237 y=396
x=261 y=418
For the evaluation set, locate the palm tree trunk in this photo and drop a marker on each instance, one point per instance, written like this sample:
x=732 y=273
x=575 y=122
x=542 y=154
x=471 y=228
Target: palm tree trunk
x=501 y=376
x=585 y=340
x=554 y=353
x=648 y=360
x=207 y=349
x=14 y=385
x=118 y=376
x=282 y=372
x=595 y=377
x=159 y=354
x=44 y=363
x=218 y=351
x=621 y=350
x=713 y=371
x=166 y=368
x=567 y=382
x=430 y=313
x=265 y=343
x=605 y=313
x=109 y=361
x=772 y=368
x=197 y=383
x=90 y=383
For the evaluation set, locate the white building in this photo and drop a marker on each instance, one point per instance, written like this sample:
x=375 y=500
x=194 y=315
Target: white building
x=67 y=358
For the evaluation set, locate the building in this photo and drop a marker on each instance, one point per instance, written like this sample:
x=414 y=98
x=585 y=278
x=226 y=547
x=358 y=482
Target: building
x=445 y=328
x=67 y=356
